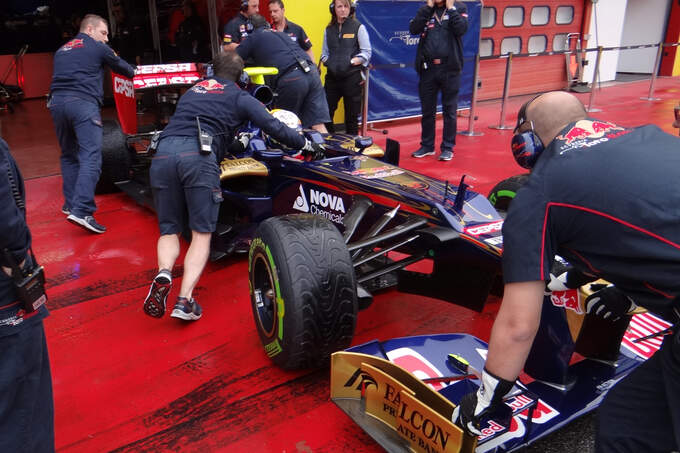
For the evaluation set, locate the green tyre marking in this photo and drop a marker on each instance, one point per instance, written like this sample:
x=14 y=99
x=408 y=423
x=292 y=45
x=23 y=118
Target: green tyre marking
x=273 y=348
x=506 y=193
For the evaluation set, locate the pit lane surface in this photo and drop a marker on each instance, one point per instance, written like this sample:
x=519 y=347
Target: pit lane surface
x=127 y=382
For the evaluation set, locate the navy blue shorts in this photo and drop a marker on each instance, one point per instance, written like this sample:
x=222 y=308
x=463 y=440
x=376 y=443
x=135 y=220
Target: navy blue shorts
x=185 y=183
x=304 y=95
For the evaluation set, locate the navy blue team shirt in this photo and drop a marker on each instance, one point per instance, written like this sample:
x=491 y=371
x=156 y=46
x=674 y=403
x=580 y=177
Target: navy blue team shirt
x=607 y=199
x=79 y=68
x=270 y=48
x=222 y=107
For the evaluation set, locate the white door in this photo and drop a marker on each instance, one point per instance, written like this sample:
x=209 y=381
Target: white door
x=645 y=23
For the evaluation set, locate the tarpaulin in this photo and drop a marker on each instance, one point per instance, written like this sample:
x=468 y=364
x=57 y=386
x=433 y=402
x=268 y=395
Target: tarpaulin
x=393 y=87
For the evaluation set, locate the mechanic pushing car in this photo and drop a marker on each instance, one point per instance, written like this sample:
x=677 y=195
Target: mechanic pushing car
x=606 y=198
x=298 y=84
x=185 y=175
x=75 y=98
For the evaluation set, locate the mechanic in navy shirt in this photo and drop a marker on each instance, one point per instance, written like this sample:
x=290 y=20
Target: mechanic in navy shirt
x=298 y=84
x=75 y=98
x=605 y=198
x=26 y=404
x=281 y=23
x=186 y=180
x=240 y=27
x=439 y=62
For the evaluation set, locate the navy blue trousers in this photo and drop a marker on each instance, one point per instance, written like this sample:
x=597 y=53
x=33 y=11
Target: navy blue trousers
x=26 y=404
x=78 y=126
x=432 y=81
x=642 y=412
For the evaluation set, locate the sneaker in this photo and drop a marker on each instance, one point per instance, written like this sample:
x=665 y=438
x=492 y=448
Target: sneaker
x=65 y=210
x=422 y=152
x=88 y=222
x=446 y=155
x=185 y=309
x=154 y=304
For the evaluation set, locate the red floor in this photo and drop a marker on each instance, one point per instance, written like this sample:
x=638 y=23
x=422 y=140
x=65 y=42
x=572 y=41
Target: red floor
x=127 y=382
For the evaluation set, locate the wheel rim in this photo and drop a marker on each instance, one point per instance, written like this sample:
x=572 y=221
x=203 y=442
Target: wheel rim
x=264 y=294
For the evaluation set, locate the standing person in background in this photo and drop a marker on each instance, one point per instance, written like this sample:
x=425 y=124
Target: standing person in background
x=26 y=403
x=441 y=25
x=346 y=51
x=190 y=37
x=240 y=27
x=282 y=24
x=75 y=97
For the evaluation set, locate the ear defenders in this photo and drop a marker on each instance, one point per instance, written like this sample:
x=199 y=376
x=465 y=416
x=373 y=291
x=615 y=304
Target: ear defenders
x=244 y=5
x=526 y=146
x=352 y=8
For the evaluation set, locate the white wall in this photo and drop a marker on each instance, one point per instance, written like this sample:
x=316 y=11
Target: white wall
x=645 y=23
x=608 y=15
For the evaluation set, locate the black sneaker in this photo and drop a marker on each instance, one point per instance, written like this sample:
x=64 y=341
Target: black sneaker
x=446 y=155
x=422 y=152
x=185 y=309
x=88 y=222
x=154 y=304
x=65 y=210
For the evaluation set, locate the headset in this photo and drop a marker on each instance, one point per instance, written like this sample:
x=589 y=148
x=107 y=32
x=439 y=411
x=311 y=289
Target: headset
x=352 y=7
x=244 y=5
x=526 y=146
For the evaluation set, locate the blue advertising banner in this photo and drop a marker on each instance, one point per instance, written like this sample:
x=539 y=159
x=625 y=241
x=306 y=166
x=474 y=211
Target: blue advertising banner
x=393 y=88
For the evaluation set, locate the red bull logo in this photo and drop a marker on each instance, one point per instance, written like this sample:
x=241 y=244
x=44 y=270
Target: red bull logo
x=72 y=44
x=588 y=129
x=209 y=85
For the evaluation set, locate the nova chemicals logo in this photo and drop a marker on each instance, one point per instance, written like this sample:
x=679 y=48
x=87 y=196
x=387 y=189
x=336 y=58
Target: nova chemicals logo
x=321 y=203
x=301 y=202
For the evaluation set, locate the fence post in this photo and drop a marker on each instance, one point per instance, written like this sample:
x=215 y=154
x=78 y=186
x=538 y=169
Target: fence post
x=656 y=70
x=506 y=91
x=473 y=103
x=596 y=74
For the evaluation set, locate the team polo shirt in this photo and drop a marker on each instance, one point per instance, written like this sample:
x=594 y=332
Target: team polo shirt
x=298 y=35
x=236 y=30
x=607 y=199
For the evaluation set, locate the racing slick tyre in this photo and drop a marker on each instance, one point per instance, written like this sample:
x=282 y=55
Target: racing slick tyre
x=504 y=192
x=302 y=290
x=115 y=158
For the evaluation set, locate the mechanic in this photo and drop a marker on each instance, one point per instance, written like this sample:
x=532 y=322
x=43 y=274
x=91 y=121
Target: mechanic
x=26 y=404
x=240 y=26
x=298 y=84
x=346 y=51
x=185 y=175
x=75 y=98
x=598 y=198
x=280 y=23
x=439 y=62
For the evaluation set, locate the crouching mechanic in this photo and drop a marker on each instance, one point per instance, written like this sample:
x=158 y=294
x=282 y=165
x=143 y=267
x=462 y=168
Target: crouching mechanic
x=26 y=407
x=606 y=199
x=185 y=175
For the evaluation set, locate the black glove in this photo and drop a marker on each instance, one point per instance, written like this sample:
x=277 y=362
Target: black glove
x=564 y=277
x=609 y=303
x=485 y=404
x=313 y=150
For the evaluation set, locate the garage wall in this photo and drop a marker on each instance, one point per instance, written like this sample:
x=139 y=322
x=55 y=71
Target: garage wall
x=645 y=23
x=605 y=29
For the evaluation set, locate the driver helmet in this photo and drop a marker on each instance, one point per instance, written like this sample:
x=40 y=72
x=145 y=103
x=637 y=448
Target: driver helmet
x=288 y=118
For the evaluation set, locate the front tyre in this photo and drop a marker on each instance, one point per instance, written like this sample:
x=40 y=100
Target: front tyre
x=302 y=290
x=504 y=192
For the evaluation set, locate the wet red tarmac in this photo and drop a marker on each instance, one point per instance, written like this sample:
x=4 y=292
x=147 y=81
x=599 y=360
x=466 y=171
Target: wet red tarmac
x=126 y=382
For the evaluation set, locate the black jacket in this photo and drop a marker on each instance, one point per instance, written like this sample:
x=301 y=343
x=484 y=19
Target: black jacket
x=343 y=45
x=453 y=20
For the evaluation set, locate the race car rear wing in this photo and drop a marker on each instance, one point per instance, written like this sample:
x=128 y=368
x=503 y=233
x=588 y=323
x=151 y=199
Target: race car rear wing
x=150 y=77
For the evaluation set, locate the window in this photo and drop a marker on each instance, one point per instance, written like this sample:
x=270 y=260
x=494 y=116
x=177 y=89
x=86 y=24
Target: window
x=537 y=43
x=540 y=15
x=560 y=42
x=488 y=17
x=511 y=45
x=513 y=16
x=485 y=47
x=565 y=15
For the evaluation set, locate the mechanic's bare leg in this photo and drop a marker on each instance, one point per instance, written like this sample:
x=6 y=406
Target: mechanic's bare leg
x=320 y=128
x=194 y=262
x=168 y=251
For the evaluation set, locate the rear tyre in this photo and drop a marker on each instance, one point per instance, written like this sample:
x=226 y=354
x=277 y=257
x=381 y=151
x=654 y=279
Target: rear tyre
x=303 y=290
x=115 y=158
x=504 y=192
